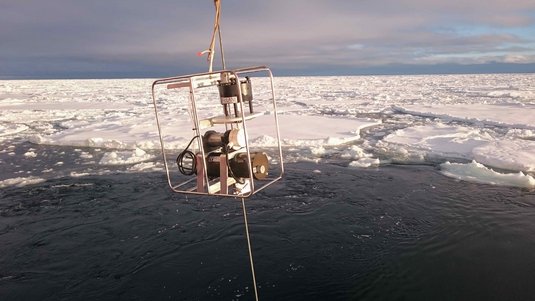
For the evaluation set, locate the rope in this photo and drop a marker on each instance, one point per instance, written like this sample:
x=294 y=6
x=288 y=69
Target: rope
x=211 y=52
x=216 y=32
x=250 y=250
x=211 y=49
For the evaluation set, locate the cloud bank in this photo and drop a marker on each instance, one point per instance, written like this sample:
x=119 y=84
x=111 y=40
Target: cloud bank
x=143 y=38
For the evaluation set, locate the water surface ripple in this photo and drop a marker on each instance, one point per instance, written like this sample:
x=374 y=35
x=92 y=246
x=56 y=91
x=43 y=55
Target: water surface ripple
x=325 y=232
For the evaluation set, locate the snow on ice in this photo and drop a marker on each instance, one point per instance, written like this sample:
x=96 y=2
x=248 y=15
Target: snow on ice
x=476 y=127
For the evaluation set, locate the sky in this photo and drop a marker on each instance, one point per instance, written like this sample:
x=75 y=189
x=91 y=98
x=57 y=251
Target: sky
x=134 y=38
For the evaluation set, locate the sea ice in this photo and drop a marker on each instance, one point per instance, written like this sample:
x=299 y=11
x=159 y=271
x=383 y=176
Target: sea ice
x=30 y=154
x=511 y=154
x=365 y=162
x=436 y=140
x=489 y=118
x=511 y=115
x=125 y=157
x=21 y=181
x=10 y=129
x=440 y=141
x=477 y=172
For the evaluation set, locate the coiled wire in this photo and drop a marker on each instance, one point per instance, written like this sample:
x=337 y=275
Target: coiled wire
x=181 y=162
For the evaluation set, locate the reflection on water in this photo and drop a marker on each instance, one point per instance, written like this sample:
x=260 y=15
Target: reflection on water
x=339 y=234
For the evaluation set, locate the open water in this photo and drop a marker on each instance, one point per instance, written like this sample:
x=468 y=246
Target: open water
x=325 y=232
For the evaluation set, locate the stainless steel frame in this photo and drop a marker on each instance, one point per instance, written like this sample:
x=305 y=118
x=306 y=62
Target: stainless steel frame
x=209 y=79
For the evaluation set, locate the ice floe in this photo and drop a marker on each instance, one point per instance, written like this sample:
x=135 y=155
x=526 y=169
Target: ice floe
x=125 y=157
x=362 y=120
x=21 y=181
x=511 y=115
x=477 y=172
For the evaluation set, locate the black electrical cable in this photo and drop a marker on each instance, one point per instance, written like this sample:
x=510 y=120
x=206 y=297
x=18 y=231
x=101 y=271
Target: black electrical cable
x=186 y=154
x=238 y=180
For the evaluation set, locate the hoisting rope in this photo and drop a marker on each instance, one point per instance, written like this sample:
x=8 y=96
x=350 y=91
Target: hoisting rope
x=249 y=245
x=216 y=31
x=210 y=59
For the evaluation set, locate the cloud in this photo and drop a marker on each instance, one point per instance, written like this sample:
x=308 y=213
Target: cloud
x=143 y=36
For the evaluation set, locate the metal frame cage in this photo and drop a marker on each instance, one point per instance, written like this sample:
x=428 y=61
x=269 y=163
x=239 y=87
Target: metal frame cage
x=211 y=172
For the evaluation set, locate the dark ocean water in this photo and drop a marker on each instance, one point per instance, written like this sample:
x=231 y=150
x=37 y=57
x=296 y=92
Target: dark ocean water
x=392 y=233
